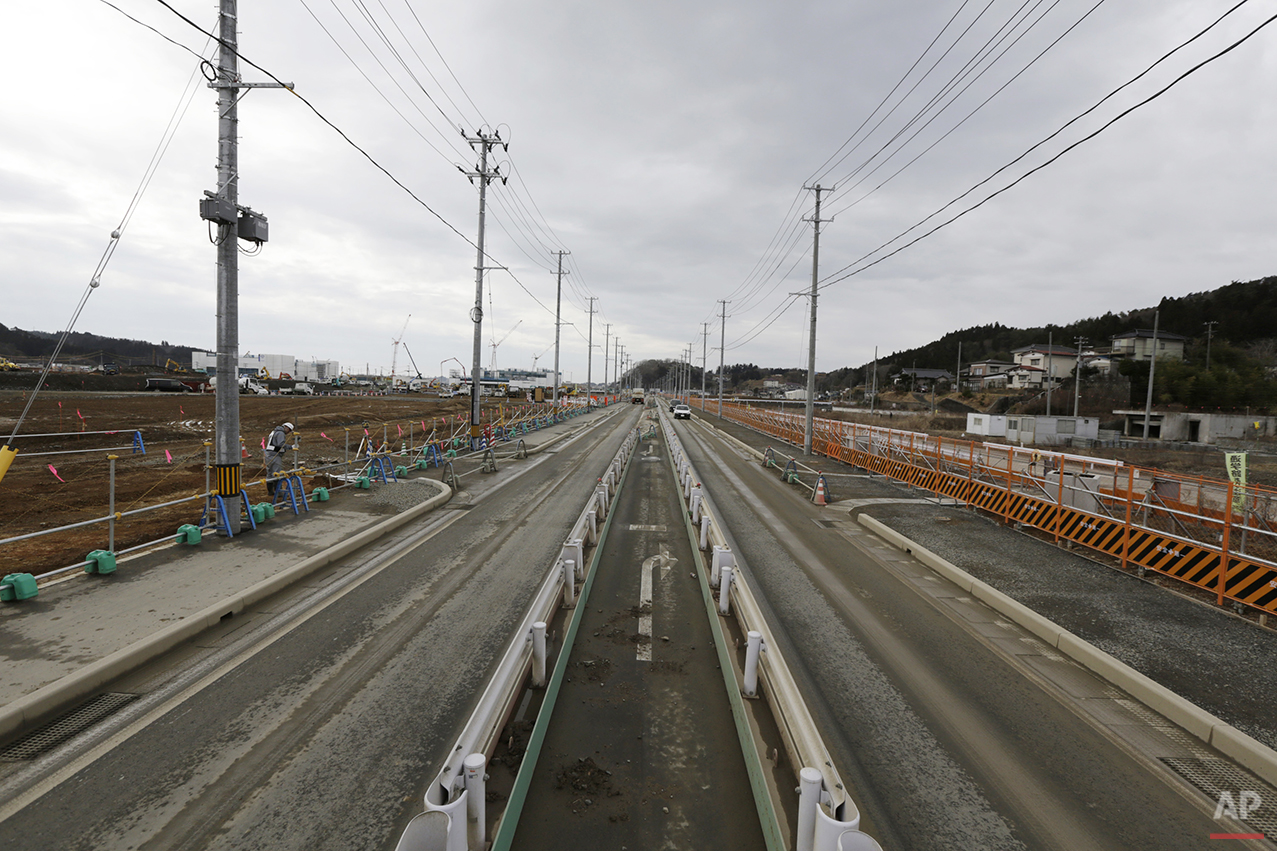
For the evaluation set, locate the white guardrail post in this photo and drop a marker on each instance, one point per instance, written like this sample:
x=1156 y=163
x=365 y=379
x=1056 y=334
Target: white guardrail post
x=752 y=651
x=828 y=819
x=538 y=654
x=476 y=800
x=455 y=817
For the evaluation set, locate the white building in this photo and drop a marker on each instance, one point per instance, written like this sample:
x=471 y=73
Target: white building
x=274 y=365
x=1051 y=431
x=987 y=425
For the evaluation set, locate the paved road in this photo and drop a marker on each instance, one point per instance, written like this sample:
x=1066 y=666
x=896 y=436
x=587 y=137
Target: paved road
x=949 y=740
x=642 y=752
x=314 y=721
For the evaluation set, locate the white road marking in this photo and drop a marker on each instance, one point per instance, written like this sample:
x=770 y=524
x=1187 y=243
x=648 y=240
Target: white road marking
x=644 y=652
x=634 y=527
x=645 y=583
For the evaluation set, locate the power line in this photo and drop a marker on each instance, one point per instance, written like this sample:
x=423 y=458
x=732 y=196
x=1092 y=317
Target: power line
x=157 y=32
x=1194 y=69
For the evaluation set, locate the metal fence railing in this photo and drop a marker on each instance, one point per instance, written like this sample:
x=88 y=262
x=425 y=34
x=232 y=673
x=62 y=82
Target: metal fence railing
x=365 y=452
x=1208 y=532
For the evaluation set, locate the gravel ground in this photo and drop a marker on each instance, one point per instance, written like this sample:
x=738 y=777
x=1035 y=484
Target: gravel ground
x=407 y=494
x=1218 y=661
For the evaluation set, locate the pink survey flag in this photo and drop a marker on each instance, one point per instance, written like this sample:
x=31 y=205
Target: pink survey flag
x=326 y=437
x=54 y=471
x=168 y=455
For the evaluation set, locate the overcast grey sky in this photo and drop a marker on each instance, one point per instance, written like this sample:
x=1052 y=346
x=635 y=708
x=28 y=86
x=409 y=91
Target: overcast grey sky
x=664 y=144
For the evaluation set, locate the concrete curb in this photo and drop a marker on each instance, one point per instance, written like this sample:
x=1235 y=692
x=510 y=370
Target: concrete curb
x=1230 y=741
x=43 y=703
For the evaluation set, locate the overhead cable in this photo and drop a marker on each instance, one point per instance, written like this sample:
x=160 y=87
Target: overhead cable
x=1194 y=69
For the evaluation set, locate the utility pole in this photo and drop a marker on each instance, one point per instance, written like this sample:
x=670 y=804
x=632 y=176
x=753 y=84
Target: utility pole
x=957 y=376
x=1077 y=374
x=873 y=398
x=483 y=142
x=704 y=355
x=222 y=208
x=589 y=358
x=607 y=339
x=1210 y=332
x=811 y=343
x=616 y=362
x=1050 y=367
x=722 y=352
x=1152 y=365
x=558 y=324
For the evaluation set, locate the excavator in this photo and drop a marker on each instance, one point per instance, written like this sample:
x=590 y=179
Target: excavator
x=173 y=366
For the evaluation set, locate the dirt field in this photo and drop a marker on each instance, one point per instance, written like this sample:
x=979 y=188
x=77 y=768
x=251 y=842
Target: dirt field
x=32 y=497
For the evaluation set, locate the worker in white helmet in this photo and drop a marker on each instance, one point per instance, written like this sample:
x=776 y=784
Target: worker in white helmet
x=276 y=449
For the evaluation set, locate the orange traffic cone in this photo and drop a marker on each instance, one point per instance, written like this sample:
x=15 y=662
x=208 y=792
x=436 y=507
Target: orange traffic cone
x=819 y=498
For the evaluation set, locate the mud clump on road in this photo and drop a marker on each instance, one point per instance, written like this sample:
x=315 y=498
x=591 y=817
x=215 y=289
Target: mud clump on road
x=588 y=783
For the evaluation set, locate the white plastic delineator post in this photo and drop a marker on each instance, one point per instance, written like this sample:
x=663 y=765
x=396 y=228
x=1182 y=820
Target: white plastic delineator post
x=538 y=654
x=725 y=591
x=752 y=651
x=569 y=583
x=704 y=531
x=809 y=783
x=722 y=556
x=591 y=526
x=476 y=801
x=600 y=494
x=574 y=550
x=696 y=504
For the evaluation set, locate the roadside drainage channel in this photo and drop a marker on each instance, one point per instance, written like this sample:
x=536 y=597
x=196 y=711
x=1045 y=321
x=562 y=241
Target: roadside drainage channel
x=825 y=818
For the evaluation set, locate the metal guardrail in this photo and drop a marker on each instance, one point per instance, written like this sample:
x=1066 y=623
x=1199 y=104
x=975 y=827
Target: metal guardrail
x=827 y=817
x=454 y=818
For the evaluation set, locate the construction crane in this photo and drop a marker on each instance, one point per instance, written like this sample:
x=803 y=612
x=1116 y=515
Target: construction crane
x=412 y=359
x=394 y=358
x=496 y=343
x=536 y=358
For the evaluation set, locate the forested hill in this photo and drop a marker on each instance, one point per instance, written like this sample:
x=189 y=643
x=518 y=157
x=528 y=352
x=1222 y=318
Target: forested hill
x=1246 y=313
x=18 y=344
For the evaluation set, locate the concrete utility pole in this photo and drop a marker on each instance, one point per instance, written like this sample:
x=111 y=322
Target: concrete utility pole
x=1152 y=365
x=1210 y=332
x=589 y=357
x=722 y=351
x=1077 y=374
x=607 y=339
x=873 y=398
x=558 y=323
x=957 y=376
x=1050 y=367
x=223 y=208
x=811 y=343
x=704 y=355
x=616 y=362
x=482 y=142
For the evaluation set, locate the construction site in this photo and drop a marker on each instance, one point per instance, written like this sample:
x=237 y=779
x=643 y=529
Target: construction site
x=62 y=474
